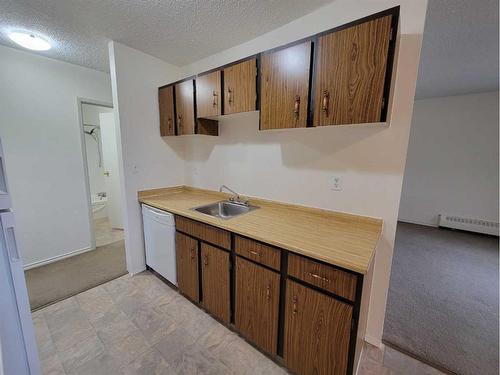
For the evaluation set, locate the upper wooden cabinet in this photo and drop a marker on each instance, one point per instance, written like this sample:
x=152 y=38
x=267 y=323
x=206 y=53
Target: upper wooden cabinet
x=240 y=87
x=350 y=73
x=178 y=111
x=208 y=94
x=337 y=77
x=184 y=104
x=167 y=115
x=285 y=87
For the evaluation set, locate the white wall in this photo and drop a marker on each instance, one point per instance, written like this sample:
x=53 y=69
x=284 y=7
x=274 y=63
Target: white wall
x=148 y=161
x=295 y=165
x=41 y=137
x=90 y=115
x=452 y=163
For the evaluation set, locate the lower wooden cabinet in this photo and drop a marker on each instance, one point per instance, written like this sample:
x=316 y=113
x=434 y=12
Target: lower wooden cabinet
x=299 y=318
x=187 y=266
x=257 y=304
x=317 y=332
x=215 y=281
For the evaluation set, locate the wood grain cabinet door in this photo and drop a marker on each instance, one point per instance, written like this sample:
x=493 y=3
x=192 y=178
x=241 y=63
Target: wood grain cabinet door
x=187 y=265
x=350 y=74
x=256 y=306
x=240 y=90
x=285 y=87
x=166 y=102
x=184 y=101
x=208 y=95
x=317 y=332
x=215 y=281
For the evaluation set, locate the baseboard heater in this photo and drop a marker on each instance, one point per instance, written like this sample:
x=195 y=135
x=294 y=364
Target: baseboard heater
x=468 y=224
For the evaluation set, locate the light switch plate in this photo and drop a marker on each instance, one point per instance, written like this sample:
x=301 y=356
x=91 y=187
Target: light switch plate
x=335 y=183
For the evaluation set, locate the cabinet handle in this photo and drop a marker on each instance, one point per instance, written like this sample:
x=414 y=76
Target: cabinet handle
x=254 y=252
x=205 y=260
x=169 y=123
x=326 y=100
x=193 y=253
x=316 y=276
x=296 y=109
x=214 y=98
x=179 y=121
x=268 y=292
x=229 y=95
x=295 y=301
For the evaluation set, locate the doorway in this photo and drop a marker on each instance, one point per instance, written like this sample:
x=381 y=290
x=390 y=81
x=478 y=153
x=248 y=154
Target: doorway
x=104 y=260
x=101 y=157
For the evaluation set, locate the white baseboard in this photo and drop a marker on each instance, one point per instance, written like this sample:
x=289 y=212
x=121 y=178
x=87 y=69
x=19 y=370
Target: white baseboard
x=56 y=258
x=136 y=271
x=418 y=222
x=373 y=341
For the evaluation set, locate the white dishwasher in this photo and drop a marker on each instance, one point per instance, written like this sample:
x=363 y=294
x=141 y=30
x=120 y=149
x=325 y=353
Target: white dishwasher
x=159 y=239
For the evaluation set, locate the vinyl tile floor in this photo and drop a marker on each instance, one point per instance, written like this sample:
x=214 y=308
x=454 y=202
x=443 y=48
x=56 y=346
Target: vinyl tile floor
x=389 y=361
x=139 y=325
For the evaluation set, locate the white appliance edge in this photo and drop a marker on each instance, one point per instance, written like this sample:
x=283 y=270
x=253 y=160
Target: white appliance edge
x=159 y=241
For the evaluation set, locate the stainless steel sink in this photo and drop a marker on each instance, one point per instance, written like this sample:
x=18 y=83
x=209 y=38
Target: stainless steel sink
x=225 y=209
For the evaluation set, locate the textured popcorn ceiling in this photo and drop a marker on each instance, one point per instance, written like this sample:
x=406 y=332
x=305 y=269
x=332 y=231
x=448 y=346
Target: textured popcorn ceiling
x=459 y=54
x=460 y=48
x=176 y=31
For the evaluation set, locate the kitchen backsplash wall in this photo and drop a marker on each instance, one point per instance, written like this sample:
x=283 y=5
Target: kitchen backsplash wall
x=296 y=165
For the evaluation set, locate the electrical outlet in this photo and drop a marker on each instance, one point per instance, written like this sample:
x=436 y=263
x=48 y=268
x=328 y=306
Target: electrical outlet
x=335 y=183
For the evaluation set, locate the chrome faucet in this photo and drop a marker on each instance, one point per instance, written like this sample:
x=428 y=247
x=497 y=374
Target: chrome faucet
x=235 y=197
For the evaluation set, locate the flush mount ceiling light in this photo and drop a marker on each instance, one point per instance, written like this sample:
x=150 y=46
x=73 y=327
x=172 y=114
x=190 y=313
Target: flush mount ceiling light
x=30 y=41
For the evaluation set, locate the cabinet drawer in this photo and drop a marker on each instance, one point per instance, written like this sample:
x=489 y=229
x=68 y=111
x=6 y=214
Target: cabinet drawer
x=258 y=252
x=204 y=232
x=323 y=276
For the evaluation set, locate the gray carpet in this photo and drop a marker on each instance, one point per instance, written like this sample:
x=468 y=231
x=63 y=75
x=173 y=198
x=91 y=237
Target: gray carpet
x=65 y=278
x=443 y=299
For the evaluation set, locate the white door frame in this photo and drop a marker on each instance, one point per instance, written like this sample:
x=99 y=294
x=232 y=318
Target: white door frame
x=86 y=177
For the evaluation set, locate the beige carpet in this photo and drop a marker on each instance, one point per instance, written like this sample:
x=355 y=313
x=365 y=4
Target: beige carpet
x=67 y=277
x=443 y=299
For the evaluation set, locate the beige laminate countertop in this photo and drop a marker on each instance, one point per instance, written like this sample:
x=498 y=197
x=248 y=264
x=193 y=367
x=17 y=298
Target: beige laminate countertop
x=340 y=239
